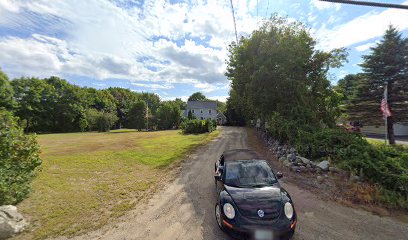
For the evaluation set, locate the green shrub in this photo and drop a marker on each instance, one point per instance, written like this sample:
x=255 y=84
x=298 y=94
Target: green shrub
x=379 y=163
x=100 y=121
x=198 y=126
x=19 y=160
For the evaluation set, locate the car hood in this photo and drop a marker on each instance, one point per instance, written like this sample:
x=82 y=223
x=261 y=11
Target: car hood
x=250 y=200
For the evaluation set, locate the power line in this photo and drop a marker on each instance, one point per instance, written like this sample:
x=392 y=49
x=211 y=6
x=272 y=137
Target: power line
x=256 y=9
x=235 y=24
x=372 y=4
x=267 y=8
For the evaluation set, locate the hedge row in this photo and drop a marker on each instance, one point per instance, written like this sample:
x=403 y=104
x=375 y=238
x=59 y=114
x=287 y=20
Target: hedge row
x=198 y=126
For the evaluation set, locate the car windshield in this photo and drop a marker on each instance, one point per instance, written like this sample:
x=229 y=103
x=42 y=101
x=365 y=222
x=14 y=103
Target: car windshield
x=249 y=174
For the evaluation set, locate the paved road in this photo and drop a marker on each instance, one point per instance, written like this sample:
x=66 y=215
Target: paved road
x=398 y=139
x=184 y=209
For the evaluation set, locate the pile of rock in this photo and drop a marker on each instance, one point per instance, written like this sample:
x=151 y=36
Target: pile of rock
x=289 y=157
x=11 y=221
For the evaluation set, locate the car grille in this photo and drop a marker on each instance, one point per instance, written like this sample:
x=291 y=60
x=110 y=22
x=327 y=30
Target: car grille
x=272 y=211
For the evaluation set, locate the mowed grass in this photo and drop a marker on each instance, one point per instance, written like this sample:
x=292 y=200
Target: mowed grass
x=89 y=179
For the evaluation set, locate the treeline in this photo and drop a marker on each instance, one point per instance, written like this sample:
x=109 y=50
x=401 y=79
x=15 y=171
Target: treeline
x=278 y=76
x=54 y=105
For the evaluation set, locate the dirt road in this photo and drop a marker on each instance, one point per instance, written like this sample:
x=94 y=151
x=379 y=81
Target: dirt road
x=184 y=209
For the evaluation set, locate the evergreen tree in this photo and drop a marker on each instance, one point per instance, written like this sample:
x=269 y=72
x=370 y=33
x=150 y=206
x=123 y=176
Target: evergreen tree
x=386 y=65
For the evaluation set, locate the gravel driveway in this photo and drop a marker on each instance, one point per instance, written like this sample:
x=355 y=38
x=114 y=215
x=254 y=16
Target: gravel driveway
x=184 y=208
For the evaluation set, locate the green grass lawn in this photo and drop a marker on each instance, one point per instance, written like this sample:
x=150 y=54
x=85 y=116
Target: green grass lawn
x=88 y=179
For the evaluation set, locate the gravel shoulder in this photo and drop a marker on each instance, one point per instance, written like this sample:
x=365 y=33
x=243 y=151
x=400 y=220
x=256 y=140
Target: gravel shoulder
x=183 y=208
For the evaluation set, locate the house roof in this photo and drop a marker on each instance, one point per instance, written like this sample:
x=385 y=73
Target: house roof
x=202 y=104
x=240 y=154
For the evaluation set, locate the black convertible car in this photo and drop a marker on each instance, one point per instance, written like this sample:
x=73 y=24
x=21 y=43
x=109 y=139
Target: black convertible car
x=251 y=204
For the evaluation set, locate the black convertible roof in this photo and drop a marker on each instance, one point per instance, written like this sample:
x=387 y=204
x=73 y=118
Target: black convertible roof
x=240 y=154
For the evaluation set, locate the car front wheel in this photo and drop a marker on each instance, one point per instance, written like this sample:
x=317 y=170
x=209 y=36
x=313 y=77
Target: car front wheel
x=218 y=217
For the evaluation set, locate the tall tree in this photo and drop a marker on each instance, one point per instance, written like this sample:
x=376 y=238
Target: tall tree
x=137 y=115
x=32 y=96
x=278 y=70
x=153 y=101
x=6 y=92
x=123 y=100
x=197 y=96
x=168 y=115
x=348 y=88
x=181 y=103
x=64 y=107
x=386 y=65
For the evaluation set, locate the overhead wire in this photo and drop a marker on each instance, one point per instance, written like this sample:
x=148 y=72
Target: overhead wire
x=233 y=17
x=267 y=8
x=367 y=3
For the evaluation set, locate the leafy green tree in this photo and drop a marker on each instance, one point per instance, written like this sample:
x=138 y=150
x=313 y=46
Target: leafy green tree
x=123 y=100
x=6 y=92
x=278 y=70
x=168 y=115
x=348 y=86
x=32 y=96
x=181 y=103
x=386 y=65
x=99 y=120
x=19 y=160
x=137 y=115
x=63 y=106
x=197 y=96
x=221 y=106
x=102 y=100
x=153 y=101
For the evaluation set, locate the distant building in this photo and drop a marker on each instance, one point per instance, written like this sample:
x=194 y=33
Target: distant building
x=400 y=129
x=221 y=118
x=202 y=109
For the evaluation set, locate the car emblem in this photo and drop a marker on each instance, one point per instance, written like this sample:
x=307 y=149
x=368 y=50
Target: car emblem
x=261 y=213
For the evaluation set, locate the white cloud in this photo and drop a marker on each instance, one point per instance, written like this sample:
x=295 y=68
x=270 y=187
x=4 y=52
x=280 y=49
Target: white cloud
x=364 y=47
x=100 y=39
x=325 y=5
x=153 y=86
x=8 y=6
x=219 y=98
x=363 y=28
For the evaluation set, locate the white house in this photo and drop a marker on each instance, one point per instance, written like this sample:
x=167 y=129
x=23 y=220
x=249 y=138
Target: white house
x=202 y=109
x=400 y=129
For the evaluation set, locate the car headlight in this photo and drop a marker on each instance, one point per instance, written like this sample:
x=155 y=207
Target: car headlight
x=229 y=211
x=288 y=210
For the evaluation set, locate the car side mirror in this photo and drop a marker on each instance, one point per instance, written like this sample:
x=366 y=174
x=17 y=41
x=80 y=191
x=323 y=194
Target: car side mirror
x=218 y=174
x=217 y=177
x=279 y=175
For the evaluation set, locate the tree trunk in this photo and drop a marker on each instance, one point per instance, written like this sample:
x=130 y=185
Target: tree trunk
x=390 y=130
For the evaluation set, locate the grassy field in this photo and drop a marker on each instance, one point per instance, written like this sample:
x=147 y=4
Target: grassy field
x=88 y=179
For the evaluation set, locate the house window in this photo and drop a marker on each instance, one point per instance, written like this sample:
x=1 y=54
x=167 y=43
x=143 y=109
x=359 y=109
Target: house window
x=209 y=111
x=192 y=110
x=201 y=110
x=202 y=118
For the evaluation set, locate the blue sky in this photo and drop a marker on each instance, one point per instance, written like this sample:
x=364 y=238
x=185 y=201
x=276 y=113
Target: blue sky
x=172 y=48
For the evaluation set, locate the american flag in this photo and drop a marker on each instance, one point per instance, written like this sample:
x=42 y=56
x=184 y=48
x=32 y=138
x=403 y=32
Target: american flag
x=385 y=109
